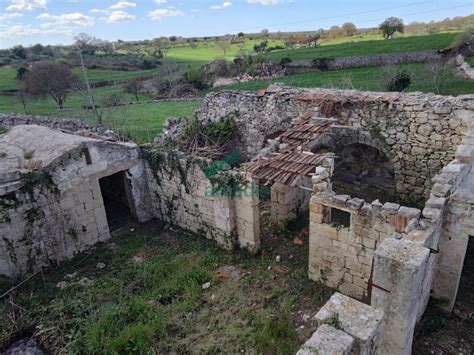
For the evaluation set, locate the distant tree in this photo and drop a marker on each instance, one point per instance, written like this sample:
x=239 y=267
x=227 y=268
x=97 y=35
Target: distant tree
x=86 y=44
x=105 y=46
x=193 y=45
x=265 y=32
x=51 y=79
x=19 y=52
x=390 y=26
x=240 y=34
x=37 y=48
x=21 y=72
x=133 y=87
x=224 y=45
x=173 y=38
x=350 y=28
x=336 y=32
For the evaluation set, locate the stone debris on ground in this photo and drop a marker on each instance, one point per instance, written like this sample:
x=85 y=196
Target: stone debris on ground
x=25 y=346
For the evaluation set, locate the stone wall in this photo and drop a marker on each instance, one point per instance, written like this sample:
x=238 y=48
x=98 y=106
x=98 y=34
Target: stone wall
x=72 y=125
x=414 y=257
x=182 y=195
x=299 y=66
x=341 y=255
x=419 y=133
x=51 y=215
x=287 y=202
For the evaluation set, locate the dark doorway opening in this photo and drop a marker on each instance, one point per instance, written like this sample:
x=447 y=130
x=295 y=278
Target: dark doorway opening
x=116 y=193
x=465 y=300
x=365 y=172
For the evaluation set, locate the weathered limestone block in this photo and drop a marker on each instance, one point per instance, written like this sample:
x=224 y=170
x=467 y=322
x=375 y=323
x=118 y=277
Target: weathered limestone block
x=399 y=271
x=360 y=321
x=327 y=340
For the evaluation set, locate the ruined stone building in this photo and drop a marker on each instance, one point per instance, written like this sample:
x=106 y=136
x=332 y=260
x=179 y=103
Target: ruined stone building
x=386 y=177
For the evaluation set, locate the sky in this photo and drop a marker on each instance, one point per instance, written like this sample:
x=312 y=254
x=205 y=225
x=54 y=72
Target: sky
x=27 y=22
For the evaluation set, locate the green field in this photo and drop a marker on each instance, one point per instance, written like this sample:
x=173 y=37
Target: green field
x=370 y=47
x=100 y=75
x=361 y=79
x=205 y=52
x=142 y=122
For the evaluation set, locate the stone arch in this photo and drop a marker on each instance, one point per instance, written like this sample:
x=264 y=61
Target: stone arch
x=364 y=164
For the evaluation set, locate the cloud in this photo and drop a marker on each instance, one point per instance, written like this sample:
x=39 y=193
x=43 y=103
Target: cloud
x=264 y=2
x=26 y=5
x=119 y=16
x=123 y=5
x=16 y=31
x=99 y=11
x=160 y=2
x=10 y=16
x=76 y=19
x=220 y=7
x=158 y=14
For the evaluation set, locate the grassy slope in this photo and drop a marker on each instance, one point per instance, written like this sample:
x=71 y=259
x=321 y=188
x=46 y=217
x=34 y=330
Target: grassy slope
x=142 y=121
x=371 y=47
x=204 y=53
x=159 y=306
x=362 y=79
x=98 y=75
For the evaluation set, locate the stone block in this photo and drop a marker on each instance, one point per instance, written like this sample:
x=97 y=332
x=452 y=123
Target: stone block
x=327 y=340
x=360 y=321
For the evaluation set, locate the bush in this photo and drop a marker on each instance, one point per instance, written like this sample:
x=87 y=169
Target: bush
x=20 y=73
x=112 y=100
x=285 y=60
x=148 y=63
x=394 y=80
x=196 y=77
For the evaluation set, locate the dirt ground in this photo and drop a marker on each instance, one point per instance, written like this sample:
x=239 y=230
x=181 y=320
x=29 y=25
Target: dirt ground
x=442 y=333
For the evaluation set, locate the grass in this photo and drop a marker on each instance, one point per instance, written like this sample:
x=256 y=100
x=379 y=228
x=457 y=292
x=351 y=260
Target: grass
x=141 y=122
x=159 y=305
x=361 y=78
x=7 y=79
x=369 y=47
x=203 y=53
x=100 y=75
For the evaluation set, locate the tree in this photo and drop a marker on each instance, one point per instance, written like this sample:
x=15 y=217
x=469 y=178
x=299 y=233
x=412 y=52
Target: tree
x=336 y=32
x=87 y=44
x=37 y=48
x=193 y=45
x=224 y=45
x=265 y=32
x=390 y=26
x=259 y=48
x=350 y=28
x=19 y=52
x=133 y=87
x=105 y=46
x=51 y=79
x=21 y=72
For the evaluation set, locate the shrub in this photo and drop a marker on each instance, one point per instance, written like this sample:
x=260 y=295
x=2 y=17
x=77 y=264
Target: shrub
x=399 y=82
x=196 y=77
x=20 y=73
x=285 y=60
x=112 y=100
x=148 y=63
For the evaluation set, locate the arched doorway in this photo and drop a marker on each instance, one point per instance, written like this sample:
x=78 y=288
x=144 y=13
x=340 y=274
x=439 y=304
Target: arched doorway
x=364 y=171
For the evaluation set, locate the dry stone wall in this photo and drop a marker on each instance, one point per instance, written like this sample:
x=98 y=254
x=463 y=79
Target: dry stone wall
x=51 y=215
x=182 y=195
x=418 y=132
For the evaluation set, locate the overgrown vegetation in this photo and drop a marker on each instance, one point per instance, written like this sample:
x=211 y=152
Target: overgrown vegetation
x=156 y=304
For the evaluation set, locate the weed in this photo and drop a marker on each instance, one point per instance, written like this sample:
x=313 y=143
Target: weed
x=276 y=335
x=3 y=130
